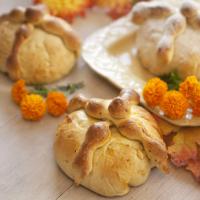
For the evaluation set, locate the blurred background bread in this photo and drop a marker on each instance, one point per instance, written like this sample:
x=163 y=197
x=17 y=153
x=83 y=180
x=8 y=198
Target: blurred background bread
x=168 y=36
x=35 y=46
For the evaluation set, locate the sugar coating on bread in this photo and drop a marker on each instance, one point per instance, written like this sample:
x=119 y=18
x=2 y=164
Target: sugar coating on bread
x=109 y=151
x=168 y=36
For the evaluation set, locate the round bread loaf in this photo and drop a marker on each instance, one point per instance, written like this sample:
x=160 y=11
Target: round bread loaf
x=35 y=46
x=116 y=165
x=109 y=145
x=168 y=36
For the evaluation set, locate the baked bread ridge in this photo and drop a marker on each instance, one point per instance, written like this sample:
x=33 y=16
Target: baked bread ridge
x=168 y=36
x=132 y=133
x=43 y=35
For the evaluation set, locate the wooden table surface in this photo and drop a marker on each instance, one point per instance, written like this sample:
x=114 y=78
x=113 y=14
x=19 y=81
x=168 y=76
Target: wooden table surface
x=27 y=167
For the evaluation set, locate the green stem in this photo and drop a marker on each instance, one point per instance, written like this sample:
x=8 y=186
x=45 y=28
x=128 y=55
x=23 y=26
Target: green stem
x=66 y=89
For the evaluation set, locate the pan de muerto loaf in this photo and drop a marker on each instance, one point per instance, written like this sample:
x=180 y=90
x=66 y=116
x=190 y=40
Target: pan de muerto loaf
x=36 y=46
x=168 y=36
x=109 y=145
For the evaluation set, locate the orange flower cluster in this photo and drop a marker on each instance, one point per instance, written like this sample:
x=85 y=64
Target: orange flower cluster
x=18 y=91
x=70 y=9
x=190 y=88
x=174 y=103
x=154 y=91
x=33 y=106
x=56 y=103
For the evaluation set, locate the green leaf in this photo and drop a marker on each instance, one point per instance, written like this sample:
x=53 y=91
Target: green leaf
x=66 y=89
x=172 y=79
x=42 y=92
x=71 y=88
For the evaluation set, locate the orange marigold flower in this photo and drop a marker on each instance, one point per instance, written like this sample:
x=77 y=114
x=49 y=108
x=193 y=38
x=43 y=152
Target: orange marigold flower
x=19 y=91
x=196 y=108
x=189 y=86
x=195 y=101
x=174 y=104
x=65 y=8
x=154 y=91
x=56 y=103
x=33 y=107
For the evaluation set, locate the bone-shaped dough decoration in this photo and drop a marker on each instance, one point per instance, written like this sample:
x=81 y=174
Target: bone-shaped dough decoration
x=168 y=36
x=97 y=135
x=132 y=121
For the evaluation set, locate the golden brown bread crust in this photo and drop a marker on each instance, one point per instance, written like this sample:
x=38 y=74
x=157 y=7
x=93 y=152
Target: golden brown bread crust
x=146 y=131
x=37 y=18
x=76 y=103
x=35 y=14
x=15 y=15
x=133 y=122
x=130 y=95
x=96 y=108
x=116 y=164
x=97 y=135
x=120 y=106
x=58 y=27
x=103 y=152
x=38 y=15
x=12 y=62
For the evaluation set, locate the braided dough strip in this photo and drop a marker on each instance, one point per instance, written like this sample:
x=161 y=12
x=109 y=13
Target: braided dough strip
x=97 y=136
x=174 y=26
x=22 y=34
x=133 y=122
x=16 y=15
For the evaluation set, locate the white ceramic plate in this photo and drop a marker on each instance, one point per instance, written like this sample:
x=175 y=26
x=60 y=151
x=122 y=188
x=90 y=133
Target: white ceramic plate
x=111 y=53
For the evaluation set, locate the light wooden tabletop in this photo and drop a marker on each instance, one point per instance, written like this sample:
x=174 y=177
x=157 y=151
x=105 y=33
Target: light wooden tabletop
x=27 y=167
